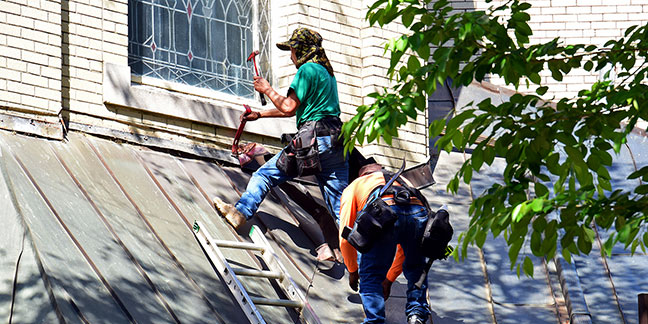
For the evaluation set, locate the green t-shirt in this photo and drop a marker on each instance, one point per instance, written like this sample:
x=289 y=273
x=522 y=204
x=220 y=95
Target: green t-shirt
x=317 y=93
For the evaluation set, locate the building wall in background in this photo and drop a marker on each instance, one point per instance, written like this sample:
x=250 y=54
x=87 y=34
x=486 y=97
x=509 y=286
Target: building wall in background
x=575 y=22
x=82 y=77
x=64 y=66
x=30 y=67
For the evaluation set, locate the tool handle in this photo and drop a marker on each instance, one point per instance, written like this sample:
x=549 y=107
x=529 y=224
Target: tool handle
x=239 y=132
x=263 y=99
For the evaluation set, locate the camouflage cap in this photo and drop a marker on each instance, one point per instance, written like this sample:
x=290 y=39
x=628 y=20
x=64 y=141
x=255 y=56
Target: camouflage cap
x=301 y=36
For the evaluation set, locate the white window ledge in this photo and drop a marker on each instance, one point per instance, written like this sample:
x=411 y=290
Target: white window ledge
x=186 y=102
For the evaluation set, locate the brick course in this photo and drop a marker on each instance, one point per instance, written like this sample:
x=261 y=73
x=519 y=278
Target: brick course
x=26 y=69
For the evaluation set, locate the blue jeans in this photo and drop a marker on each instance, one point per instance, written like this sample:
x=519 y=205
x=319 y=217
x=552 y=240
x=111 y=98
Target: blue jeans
x=332 y=180
x=374 y=265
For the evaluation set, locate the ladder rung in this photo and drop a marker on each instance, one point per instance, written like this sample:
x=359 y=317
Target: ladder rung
x=238 y=245
x=276 y=302
x=258 y=273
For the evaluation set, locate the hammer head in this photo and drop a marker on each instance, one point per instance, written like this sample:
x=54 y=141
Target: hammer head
x=252 y=55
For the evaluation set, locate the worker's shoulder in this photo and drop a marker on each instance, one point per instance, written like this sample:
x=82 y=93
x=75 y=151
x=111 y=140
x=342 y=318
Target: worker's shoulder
x=312 y=68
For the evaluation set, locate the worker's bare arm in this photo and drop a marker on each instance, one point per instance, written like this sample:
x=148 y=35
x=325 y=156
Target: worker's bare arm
x=284 y=106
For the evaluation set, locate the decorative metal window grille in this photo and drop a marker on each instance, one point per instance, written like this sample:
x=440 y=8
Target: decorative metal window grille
x=203 y=43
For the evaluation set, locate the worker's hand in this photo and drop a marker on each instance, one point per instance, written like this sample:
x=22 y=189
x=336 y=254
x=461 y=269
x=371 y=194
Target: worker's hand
x=386 y=284
x=354 y=277
x=261 y=84
x=253 y=115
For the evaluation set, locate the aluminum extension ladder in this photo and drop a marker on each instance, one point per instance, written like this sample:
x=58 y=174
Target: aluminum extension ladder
x=276 y=271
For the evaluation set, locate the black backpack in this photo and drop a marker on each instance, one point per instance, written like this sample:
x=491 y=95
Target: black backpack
x=377 y=217
x=438 y=233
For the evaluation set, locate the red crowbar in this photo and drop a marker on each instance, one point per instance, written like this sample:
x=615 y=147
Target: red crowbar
x=239 y=132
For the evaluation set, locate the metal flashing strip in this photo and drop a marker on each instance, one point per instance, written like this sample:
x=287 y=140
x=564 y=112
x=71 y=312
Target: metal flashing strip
x=35 y=125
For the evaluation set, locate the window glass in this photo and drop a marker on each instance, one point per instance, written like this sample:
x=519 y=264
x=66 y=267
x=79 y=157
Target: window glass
x=203 y=43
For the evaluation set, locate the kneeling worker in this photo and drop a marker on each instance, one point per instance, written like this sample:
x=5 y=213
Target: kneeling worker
x=372 y=273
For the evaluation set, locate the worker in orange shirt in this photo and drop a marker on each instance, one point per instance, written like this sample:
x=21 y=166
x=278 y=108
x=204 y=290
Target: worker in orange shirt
x=380 y=266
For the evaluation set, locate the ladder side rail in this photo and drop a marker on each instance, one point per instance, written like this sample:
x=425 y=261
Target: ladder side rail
x=228 y=274
x=288 y=285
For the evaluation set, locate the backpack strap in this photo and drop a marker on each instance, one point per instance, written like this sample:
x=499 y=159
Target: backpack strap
x=413 y=192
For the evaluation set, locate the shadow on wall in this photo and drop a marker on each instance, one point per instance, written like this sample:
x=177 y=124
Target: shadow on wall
x=444 y=99
x=440 y=105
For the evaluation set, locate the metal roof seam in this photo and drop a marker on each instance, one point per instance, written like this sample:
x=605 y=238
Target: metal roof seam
x=148 y=224
x=94 y=267
x=119 y=241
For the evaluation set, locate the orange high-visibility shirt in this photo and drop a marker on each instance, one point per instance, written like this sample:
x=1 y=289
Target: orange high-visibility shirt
x=353 y=200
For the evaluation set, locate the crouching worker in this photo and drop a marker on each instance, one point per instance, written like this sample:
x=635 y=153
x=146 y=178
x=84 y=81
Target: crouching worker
x=376 y=259
x=316 y=148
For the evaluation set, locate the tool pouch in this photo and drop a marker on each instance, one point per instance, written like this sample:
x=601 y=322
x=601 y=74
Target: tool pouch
x=304 y=151
x=436 y=236
x=287 y=161
x=301 y=156
x=371 y=223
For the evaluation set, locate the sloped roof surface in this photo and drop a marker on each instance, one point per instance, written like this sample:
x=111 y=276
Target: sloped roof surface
x=97 y=231
x=597 y=289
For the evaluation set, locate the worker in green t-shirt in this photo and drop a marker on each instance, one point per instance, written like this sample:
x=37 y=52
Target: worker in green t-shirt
x=313 y=99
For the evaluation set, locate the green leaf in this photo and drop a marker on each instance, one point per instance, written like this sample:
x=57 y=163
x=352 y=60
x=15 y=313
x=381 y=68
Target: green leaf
x=641 y=190
x=542 y=90
x=456 y=121
x=537 y=204
x=436 y=127
x=540 y=189
x=413 y=64
x=639 y=173
x=536 y=244
x=424 y=52
x=480 y=238
x=439 y=4
x=584 y=245
x=457 y=139
x=513 y=251
x=477 y=159
x=566 y=255
x=535 y=78
x=408 y=17
x=528 y=266
x=409 y=107
x=468 y=175
x=608 y=245
x=518 y=212
x=605 y=184
x=539 y=224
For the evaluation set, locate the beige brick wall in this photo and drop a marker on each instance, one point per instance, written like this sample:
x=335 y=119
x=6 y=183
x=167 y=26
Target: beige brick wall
x=412 y=140
x=575 y=22
x=30 y=58
x=91 y=38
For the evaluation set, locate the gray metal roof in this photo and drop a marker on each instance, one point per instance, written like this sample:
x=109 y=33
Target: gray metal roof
x=98 y=231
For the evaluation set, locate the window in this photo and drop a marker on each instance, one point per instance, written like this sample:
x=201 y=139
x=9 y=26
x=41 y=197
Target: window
x=203 y=43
